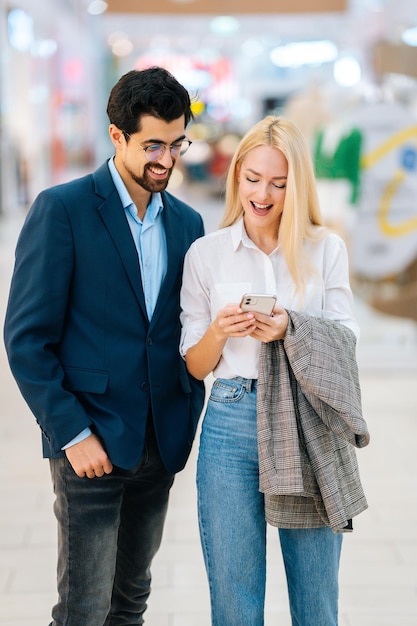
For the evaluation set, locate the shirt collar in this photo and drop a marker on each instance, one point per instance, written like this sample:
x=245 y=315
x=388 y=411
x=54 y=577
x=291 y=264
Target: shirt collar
x=239 y=235
x=155 y=205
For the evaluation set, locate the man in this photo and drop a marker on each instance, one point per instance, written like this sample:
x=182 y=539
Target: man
x=92 y=332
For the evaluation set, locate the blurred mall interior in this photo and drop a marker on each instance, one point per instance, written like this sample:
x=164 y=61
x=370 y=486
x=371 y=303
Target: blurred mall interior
x=344 y=70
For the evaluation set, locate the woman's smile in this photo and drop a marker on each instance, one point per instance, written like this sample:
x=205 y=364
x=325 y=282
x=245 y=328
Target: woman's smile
x=261 y=209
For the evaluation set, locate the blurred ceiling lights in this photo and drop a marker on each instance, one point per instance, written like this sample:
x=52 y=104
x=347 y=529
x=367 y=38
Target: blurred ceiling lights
x=21 y=35
x=224 y=25
x=409 y=36
x=97 y=7
x=303 y=53
x=120 y=44
x=347 y=71
x=20 y=29
x=288 y=34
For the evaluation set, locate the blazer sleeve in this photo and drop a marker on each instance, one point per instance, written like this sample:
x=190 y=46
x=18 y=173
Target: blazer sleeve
x=321 y=354
x=35 y=317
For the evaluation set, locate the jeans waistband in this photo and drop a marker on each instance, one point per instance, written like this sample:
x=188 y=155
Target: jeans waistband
x=247 y=383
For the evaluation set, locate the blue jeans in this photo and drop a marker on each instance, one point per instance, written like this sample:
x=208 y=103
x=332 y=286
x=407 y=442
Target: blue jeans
x=233 y=527
x=109 y=530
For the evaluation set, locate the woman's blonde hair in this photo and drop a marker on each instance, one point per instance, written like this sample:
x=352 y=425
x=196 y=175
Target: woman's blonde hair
x=301 y=211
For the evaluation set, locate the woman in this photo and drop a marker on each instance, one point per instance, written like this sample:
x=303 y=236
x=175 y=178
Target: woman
x=272 y=241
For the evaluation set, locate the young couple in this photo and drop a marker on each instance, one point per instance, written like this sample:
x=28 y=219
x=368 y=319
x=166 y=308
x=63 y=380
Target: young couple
x=93 y=335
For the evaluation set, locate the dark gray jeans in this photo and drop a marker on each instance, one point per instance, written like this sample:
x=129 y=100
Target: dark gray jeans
x=109 y=530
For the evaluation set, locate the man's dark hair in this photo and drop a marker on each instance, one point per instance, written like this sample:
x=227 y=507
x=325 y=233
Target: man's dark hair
x=153 y=91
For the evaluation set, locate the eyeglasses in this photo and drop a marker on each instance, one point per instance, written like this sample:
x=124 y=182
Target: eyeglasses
x=156 y=151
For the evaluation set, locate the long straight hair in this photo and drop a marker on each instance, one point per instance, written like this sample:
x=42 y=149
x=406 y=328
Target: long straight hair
x=301 y=213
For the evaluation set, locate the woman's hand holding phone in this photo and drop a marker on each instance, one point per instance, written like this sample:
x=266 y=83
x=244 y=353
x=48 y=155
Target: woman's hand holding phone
x=271 y=321
x=258 y=303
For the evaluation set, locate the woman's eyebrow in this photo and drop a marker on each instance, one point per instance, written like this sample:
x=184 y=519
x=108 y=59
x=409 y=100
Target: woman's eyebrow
x=248 y=169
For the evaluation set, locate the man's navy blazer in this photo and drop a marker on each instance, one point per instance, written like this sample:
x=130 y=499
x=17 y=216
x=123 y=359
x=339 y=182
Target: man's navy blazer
x=77 y=335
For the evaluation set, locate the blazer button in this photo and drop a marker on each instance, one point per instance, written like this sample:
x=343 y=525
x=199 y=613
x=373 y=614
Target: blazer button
x=149 y=341
x=145 y=386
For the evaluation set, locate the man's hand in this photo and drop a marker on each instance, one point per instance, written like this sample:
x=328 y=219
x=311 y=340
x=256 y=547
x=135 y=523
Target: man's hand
x=89 y=458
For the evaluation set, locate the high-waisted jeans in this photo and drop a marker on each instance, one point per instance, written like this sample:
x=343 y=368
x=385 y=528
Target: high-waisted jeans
x=109 y=530
x=233 y=527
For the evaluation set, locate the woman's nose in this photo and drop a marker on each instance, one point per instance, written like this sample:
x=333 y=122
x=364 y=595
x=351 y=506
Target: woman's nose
x=264 y=191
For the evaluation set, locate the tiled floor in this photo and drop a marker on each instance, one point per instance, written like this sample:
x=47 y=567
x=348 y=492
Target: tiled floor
x=379 y=561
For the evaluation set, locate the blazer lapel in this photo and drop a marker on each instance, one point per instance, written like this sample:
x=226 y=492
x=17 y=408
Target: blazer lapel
x=174 y=255
x=113 y=216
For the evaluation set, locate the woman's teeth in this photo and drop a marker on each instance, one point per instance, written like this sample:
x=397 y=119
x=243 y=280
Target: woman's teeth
x=261 y=207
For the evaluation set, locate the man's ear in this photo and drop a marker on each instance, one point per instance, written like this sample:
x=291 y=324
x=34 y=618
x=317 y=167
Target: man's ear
x=116 y=135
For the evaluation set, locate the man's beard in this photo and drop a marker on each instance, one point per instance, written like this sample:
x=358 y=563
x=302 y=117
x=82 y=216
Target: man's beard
x=148 y=183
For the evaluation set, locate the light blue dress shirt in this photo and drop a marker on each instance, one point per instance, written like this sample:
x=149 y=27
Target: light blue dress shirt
x=150 y=241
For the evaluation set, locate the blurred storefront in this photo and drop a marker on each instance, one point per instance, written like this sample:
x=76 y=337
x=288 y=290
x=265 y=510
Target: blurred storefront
x=47 y=124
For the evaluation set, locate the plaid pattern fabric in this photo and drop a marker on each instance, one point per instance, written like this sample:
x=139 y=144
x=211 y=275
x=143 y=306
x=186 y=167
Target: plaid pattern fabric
x=309 y=422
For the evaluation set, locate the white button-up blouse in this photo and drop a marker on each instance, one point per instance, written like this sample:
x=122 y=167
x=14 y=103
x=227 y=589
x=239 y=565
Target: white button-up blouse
x=222 y=266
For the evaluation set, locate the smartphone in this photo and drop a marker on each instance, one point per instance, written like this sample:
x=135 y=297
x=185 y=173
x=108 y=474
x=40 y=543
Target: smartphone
x=258 y=302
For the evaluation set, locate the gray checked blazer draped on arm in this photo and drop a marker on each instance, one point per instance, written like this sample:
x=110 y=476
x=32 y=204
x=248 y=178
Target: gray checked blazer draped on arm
x=309 y=423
